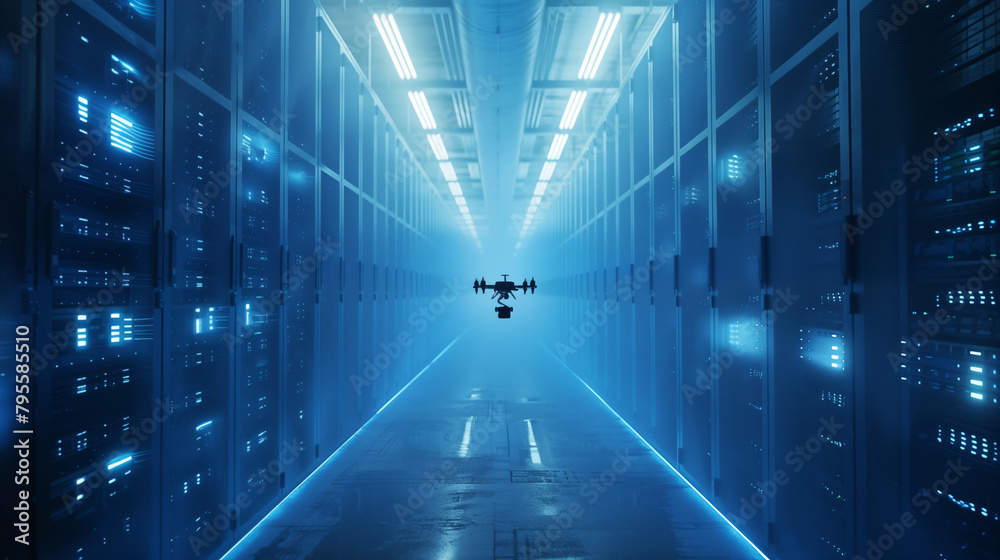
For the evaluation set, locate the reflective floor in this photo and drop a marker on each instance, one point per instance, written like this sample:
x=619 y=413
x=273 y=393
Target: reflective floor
x=492 y=453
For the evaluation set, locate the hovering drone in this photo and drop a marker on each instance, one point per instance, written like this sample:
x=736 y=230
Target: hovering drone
x=505 y=289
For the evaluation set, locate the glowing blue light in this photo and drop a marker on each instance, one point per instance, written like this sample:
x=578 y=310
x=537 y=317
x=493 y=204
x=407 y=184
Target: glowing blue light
x=665 y=462
x=80 y=480
x=119 y=462
x=200 y=426
x=976 y=395
x=302 y=484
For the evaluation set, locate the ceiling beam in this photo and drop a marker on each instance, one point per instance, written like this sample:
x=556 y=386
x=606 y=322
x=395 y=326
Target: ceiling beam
x=575 y=84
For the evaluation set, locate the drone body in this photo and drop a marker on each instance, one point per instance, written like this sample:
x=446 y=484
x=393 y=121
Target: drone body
x=502 y=290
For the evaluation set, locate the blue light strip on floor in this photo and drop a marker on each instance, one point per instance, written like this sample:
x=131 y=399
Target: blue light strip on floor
x=657 y=453
x=342 y=446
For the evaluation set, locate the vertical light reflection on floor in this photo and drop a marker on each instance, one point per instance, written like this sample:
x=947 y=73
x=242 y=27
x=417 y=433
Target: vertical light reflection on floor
x=463 y=450
x=535 y=457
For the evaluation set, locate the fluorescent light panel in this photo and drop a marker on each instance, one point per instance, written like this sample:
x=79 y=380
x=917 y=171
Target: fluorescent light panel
x=438 y=146
x=456 y=189
x=558 y=143
x=536 y=200
x=540 y=188
x=419 y=101
x=448 y=170
x=389 y=31
x=605 y=28
x=460 y=201
x=547 y=170
x=572 y=111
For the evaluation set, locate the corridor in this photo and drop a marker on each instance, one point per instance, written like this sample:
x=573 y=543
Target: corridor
x=494 y=452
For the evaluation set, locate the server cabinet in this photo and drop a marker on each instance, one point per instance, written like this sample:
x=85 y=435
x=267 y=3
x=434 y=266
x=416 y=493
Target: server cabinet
x=351 y=122
x=351 y=380
x=665 y=284
x=262 y=23
x=366 y=334
x=210 y=59
x=199 y=340
x=96 y=397
x=626 y=306
x=938 y=184
x=329 y=386
x=800 y=23
x=383 y=350
x=736 y=60
x=812 y=377
x=258 y=316
x=331 y=101
x=644 y=260
x=692 y=69
x=298 y=115
x=695 y=318
x=665 y=385
x=302 y=257
x=643 y=252
x=742 y=325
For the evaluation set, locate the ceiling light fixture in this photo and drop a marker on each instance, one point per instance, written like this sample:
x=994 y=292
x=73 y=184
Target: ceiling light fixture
x=387 y=28
x=572 y=111
x=456 y=189
x=448 y=170
x=438 y=146
x=558 y=143
x=606 y=24
x=419 y=101
x=547 y=170
x=540 y=188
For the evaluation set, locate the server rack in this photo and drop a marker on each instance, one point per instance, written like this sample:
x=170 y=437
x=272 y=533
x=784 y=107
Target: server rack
x=938 y=369
x=187 y=225
x=773 y=141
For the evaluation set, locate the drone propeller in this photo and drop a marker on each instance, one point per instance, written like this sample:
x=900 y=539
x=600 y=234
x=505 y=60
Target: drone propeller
x=533 y=285
x=524 y=286
x=475 y=286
